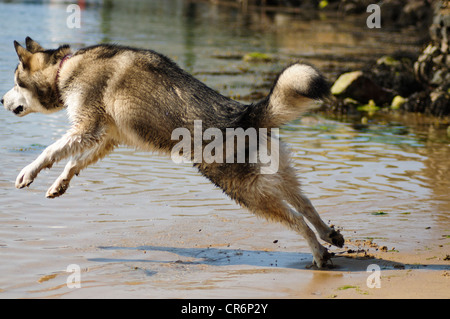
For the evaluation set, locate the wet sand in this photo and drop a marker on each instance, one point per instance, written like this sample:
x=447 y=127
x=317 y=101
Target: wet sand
x=215 y=256
x=226 y=272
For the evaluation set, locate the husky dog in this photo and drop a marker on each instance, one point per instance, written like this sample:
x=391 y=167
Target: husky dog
x=121 y=95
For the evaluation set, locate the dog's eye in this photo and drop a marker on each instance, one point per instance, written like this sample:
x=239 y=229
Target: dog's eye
x=21 y=84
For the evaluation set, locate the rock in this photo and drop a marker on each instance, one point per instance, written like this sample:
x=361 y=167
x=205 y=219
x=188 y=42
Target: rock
x=440 y=103
x=396 y=73
x=438 y=77
x=416 y=12
x=431 y=67
x=417 y=102
x=397 y=102
x=356 y=85
x=383 y=248
x=405 y=81
x=344 y=81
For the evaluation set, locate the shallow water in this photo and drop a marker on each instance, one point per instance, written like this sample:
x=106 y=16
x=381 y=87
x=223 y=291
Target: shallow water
x=138 y=218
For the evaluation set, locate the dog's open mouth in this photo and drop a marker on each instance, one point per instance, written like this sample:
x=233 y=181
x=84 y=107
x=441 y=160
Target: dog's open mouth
x=18 y=110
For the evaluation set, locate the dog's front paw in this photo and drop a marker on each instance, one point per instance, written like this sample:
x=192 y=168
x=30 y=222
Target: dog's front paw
x=26 y=176
x=58 y=188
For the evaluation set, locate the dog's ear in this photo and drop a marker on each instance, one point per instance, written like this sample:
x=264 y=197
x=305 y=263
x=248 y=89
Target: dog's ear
x=33 y=46
x=23 y=54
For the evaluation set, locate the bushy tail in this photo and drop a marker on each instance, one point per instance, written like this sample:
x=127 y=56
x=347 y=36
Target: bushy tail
x=292 y=94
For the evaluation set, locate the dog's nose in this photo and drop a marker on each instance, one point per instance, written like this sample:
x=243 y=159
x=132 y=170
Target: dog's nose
x=2 y=101
x=18 y=110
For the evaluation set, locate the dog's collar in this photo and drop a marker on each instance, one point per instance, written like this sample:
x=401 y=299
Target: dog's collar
x=64 y=59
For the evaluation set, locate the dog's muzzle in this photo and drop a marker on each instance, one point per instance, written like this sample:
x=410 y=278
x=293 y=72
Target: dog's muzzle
x=16 y=110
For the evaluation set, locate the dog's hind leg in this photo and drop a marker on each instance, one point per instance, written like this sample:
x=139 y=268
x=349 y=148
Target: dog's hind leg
x=303 y=205
x=263 y=195
x=76 y=164
x=320 y=253
x=272 y=208
x=293 y=195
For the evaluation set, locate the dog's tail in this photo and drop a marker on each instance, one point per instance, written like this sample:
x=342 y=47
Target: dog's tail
x=292 y=94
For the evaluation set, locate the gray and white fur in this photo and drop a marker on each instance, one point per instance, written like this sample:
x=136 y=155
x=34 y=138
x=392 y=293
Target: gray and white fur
x=121 y=95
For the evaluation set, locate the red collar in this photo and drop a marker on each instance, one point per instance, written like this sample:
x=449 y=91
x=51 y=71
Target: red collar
x=64 y=59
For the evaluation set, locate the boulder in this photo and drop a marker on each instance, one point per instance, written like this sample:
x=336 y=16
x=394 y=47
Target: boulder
x=395 y=72
x=358 y=86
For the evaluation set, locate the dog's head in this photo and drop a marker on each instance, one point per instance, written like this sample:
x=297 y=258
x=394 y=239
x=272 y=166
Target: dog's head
x=35 y=88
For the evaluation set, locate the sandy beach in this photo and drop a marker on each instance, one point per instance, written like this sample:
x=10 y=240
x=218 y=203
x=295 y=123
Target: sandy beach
x=217 y=257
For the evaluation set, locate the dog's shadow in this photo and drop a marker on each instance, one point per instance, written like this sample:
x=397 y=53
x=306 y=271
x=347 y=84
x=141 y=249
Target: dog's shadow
x=258 y=258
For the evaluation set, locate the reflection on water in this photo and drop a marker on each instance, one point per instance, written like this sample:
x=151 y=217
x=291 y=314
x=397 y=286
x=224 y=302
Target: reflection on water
x=349 y=171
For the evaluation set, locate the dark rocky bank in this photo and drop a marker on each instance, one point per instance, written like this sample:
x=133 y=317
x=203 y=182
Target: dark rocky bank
x=401 y=81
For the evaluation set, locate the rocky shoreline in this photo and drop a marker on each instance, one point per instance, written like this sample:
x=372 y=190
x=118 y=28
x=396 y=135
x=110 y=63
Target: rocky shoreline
x=402 y=82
